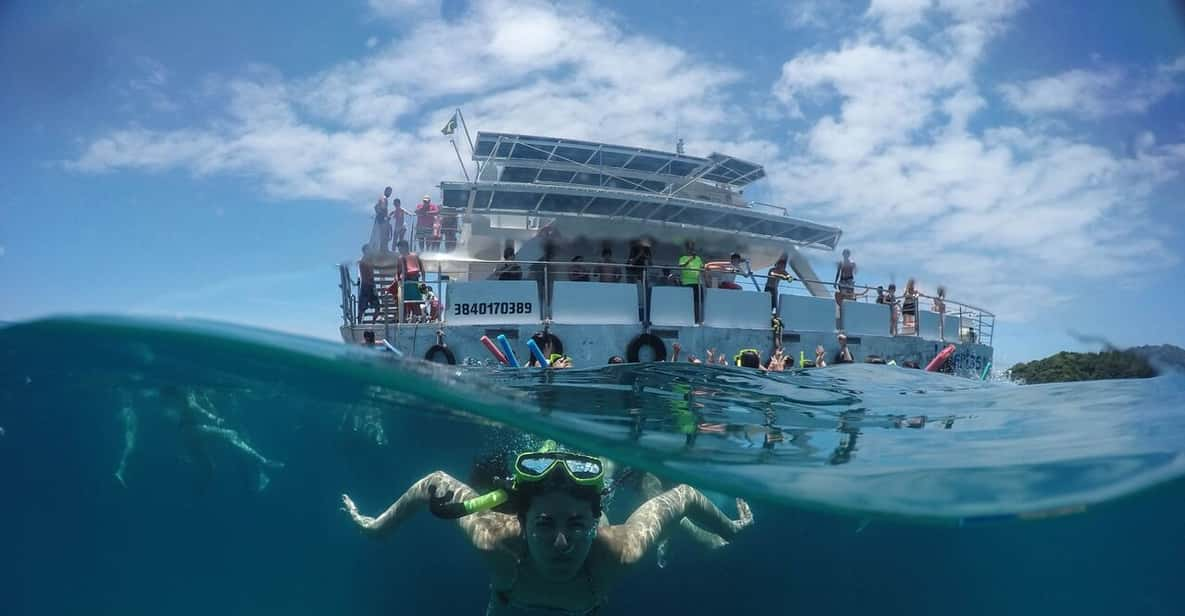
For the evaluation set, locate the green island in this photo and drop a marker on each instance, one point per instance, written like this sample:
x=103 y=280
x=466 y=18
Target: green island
x=1134 y=363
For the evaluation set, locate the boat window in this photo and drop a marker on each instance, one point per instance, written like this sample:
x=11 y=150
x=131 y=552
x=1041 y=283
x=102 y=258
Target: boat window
x=518 y=174
x=646 y=163
x=482 y=201
x=456 y=198
x=563 y=203
x=611 y=159
x=531 y=151
x=515 y=201
x=552 y=175
x=696 y=216
x=604 y=206
x=576 y=155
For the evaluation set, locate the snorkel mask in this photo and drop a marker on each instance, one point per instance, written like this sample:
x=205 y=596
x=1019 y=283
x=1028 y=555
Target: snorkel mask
x=529 y=467
x=737 y=358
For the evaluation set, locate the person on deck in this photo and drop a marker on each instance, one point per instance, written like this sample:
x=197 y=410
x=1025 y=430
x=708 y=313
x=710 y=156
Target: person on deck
x=426 y=223
x=776 y=275
x=380 y=234
x=845 y=276
x=608 y=271
x=409 y=269
x=577 y=272
x=909 y=307
x=410 y=266
x=367 y=294
x=509 y=269
x=940 y=307
x=691 y=269
x=399 y=216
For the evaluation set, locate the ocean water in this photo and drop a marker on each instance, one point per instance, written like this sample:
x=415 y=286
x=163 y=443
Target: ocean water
x=874 y=489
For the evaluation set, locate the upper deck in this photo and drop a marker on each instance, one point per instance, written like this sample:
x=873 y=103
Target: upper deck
x=646 y=190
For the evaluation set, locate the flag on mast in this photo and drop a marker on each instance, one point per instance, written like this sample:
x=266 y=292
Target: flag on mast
x=450 y=127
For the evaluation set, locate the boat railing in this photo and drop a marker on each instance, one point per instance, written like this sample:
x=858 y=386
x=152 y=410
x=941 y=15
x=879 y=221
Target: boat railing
x=973 y=324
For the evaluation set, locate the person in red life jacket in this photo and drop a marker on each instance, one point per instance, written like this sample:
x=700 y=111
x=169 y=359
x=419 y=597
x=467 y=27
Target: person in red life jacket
x=428 y=224
x=423 y=223
x=409 y=268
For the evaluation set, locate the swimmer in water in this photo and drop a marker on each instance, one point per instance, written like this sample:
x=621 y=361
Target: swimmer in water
x=198 y=426
x=539 y=534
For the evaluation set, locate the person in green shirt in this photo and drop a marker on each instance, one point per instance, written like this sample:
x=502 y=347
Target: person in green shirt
x=691 y=265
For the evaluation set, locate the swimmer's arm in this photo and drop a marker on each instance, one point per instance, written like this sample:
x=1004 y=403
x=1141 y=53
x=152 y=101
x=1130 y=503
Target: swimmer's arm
x=485 y=530
x=191 y=400
x=657 y=516
x=704 y=538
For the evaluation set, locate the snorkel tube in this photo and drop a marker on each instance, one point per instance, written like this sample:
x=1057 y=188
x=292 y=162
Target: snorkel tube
x=442 y=506
x=538 y=354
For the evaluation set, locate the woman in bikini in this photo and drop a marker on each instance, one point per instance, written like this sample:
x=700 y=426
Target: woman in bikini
x=542 y=535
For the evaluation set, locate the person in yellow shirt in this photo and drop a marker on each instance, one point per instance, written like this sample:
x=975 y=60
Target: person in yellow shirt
x=691 y=266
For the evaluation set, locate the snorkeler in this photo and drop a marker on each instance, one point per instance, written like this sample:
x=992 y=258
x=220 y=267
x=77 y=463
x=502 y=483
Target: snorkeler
x=197 y=424
x=539 y=534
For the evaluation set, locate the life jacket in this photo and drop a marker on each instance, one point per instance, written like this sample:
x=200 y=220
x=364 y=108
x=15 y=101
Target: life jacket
x=411 y=265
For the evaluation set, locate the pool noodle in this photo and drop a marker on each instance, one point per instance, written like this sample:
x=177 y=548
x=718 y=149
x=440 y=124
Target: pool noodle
x=493 y=349
x=537 y=353
x=504 y=344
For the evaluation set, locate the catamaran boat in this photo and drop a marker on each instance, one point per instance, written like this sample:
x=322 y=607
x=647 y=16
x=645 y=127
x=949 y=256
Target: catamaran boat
x=535 y=247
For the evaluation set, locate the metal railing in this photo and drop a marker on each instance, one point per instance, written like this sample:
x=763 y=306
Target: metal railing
x=975 y=324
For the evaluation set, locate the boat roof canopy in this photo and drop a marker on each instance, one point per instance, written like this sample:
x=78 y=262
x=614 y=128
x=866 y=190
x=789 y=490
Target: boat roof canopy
x=631 y=206
x=562 y=161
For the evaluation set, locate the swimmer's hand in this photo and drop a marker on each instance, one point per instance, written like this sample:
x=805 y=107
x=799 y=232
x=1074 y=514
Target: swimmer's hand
x=443 y=506
x=365 y=522
x=745 y=516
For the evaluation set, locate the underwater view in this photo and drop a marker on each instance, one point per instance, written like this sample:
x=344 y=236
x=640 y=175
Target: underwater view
x=872 y=487
x=592 y=308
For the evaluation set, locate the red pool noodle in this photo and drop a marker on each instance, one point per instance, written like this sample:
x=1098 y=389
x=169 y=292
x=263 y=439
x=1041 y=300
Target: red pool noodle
x=940 y=358
x=494 y=350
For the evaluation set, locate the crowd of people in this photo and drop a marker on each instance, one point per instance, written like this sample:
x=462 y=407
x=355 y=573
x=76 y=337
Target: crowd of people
x=903 y=309
x=435 y=229
x=690 y=270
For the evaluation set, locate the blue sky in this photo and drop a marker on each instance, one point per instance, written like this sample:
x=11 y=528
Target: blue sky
x=218 y=160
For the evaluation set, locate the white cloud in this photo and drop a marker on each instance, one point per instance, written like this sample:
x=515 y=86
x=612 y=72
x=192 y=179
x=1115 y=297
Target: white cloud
x=898 y=15
x=1005 y=215
x=1096 y=93
x=371 y=42
x=895 y=149
x=525 y=66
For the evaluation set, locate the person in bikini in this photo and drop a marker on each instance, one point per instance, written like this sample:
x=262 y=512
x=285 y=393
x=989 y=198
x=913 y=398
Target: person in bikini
x=542 y=535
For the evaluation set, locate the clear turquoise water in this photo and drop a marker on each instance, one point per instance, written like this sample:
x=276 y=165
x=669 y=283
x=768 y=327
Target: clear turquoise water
x=1004 y=500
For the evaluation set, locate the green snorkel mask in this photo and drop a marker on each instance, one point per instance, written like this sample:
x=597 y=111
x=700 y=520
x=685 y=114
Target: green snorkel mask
x=529 y=467
x=737 y=358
